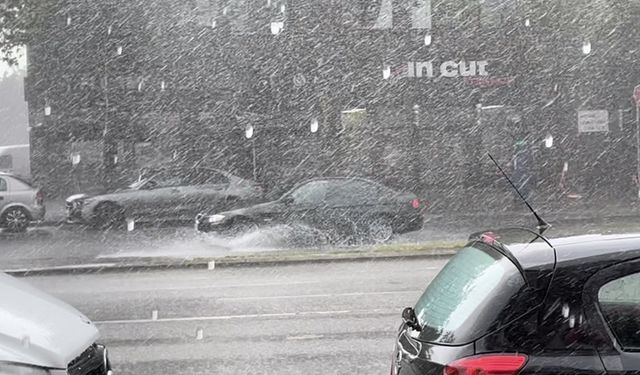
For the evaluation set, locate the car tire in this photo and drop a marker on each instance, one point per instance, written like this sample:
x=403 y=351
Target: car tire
x=15 y=220
x=108 y=215
x=379 y=229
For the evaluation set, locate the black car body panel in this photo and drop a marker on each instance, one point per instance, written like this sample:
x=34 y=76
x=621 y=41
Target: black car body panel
x=557 y=321
x=343 y=203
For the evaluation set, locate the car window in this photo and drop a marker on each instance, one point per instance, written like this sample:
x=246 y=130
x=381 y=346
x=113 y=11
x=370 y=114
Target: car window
x=208 y=177
x=314 y=192
x=169 y=178
x=620 y=305
x=468 y=296
x=355 y=192
x=3 y=184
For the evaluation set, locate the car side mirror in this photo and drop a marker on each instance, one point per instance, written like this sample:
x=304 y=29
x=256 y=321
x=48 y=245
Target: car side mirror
x=409 y=318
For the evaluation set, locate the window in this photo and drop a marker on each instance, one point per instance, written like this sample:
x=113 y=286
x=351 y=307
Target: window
x=169 y=178
x=620 y=305
x=469 y=296
x=209 y=177
x=6 y=162
x=3 y=184
x=311 y=193
x=357 y=192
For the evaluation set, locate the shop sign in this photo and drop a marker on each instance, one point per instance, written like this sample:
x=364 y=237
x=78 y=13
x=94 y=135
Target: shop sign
x=447 y=69
x=593 y=121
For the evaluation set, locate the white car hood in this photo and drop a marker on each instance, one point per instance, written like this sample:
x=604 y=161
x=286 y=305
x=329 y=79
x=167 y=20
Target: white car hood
x=38 y=329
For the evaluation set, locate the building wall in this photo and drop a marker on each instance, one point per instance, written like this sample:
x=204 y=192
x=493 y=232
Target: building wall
x=188 y=80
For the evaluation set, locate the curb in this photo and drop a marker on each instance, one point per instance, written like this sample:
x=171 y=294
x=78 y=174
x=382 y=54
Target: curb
x=225 y=262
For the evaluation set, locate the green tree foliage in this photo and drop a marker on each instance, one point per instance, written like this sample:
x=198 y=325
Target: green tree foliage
x=21 y=21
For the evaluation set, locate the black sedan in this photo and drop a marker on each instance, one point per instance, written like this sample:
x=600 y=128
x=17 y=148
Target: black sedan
x=164 y=194
x=514 y=302
x=344 y=205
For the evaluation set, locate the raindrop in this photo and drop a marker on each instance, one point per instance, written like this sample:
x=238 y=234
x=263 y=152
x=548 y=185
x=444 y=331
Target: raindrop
x=282 y=8
x=119 y=50
x=154 y=315
x=268 y=3
x=386 y=72
x=115 y=159
x=548 y=141
x=314 y=126
x=586 y=47
x=225 y=10
x=427 y=40
x=47 y=110
x=109 y=29
x=565 y=310
x=211 y=265
x=572 y=321
x=527 y=22
x=248 y=132
x=213 y=24
x=68 y=20
x=140 y=86
x=162 y=86
x=199 y=334
x=276 y=27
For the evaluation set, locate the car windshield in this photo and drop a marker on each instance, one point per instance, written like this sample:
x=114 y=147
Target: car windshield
x=262 y=186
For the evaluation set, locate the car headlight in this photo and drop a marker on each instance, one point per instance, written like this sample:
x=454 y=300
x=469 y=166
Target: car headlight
x=216 y=219
x=16 y=369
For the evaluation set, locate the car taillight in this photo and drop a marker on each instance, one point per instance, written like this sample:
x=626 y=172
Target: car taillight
x=492 y=364
x=415 y=203
x=39 y=197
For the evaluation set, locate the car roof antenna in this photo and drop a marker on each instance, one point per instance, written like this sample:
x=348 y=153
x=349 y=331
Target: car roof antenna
x=542 y=224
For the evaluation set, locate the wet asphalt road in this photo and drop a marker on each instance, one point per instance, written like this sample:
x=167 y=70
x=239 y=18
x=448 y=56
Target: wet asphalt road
x=310 y=319
x=69 y=244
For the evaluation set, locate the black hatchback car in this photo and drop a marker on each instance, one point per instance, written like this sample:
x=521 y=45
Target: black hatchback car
x=514 y=302
x=351 y=205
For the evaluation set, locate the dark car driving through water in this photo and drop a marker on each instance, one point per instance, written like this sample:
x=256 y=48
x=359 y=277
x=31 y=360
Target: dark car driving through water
x=342 y=206
x=514 y=302
x=164 y=194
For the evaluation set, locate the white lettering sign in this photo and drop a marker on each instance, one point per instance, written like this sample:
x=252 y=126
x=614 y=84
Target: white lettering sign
x=593 y=121
x=448 y=69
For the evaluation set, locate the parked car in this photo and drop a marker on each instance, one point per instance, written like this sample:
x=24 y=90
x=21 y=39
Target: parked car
x=514 y=302
x=41 y=335
x=164 y=194
x=20 y=203
x=355 y=205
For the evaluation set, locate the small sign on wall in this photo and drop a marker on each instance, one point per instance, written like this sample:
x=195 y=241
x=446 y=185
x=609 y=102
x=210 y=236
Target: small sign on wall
x=593 y=121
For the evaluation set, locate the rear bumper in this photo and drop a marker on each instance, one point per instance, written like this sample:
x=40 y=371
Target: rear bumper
x=409 y=224
x=37 y=212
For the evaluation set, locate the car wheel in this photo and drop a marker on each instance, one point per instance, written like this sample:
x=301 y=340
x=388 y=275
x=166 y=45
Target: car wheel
x=16 y=219
x=108 y=215
x=379 y=229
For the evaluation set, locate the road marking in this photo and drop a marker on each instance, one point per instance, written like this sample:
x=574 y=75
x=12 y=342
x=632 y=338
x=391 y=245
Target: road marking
x=304 y=337
x=327 y=295
x=248 y=316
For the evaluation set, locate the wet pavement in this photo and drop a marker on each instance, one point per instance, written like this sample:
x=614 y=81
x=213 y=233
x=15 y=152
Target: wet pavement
x=66 y=244
x=305 y=319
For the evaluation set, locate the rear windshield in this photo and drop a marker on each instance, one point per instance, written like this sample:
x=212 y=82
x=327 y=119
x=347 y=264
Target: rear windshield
x=469 y=296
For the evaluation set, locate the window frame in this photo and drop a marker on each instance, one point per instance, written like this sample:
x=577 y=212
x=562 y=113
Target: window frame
x=607 y=340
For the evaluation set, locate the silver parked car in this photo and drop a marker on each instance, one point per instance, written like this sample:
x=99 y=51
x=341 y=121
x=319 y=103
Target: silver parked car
x=164 y=194
x=20 y=203
x=40 y=335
